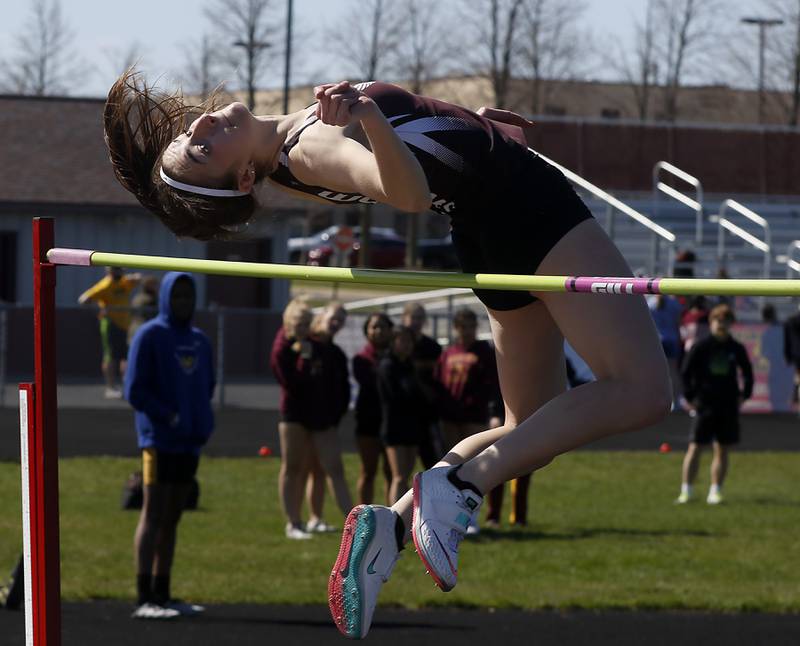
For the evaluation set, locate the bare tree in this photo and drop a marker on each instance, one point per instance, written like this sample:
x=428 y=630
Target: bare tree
x=784 y=47
x=249 y=29
x=45 y=62
x=366 y=38
x=551 y=45
x=422 y=47
x=639 y=68
x=123 y=58
x=200 y=71
x=493 y=27
x=685 y=31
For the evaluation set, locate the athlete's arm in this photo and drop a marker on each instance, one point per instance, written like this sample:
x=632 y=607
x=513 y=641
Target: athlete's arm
x=505 y=116
x=512 y=119
x=388 y=173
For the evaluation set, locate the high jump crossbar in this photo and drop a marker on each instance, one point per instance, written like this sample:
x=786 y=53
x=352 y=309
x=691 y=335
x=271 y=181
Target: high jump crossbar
x=430 y=279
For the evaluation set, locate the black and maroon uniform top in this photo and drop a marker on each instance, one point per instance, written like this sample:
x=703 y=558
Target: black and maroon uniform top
x=461 y=152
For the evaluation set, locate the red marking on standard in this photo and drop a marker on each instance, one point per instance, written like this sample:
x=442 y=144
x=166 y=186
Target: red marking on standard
x=414 y=523
x=336 y=581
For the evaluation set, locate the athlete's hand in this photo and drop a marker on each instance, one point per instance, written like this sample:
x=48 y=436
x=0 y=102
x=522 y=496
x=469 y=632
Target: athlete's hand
x=340 y=103
x=505 y=116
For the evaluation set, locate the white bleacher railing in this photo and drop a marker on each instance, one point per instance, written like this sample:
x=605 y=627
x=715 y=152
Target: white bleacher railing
x=725 y=224
x=695 y=204
x=659 y=232
x=791 y=263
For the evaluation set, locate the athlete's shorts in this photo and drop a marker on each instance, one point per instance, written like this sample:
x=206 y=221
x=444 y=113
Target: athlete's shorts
x=719 y=426
x=114 y=339
x=517 y=228
x=160 y=467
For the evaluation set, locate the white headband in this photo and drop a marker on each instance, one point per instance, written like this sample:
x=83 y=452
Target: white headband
x=200 y=190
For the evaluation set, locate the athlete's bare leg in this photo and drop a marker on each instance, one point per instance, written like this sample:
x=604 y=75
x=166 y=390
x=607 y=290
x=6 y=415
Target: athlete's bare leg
x=531 y=368
x=615 y=335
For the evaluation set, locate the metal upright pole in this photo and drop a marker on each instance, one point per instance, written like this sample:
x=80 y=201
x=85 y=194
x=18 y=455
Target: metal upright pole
x=44 y=531
x=3 y=352
x=288 y=67
x=762 y=24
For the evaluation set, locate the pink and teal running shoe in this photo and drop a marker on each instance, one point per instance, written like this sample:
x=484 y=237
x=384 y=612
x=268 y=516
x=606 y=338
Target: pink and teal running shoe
x=367 y=556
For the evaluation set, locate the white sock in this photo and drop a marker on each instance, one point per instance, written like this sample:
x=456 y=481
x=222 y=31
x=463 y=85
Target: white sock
x=713 y=489
x=686 y=488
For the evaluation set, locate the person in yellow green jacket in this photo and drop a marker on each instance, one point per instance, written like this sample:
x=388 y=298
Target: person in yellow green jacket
x=112 y=293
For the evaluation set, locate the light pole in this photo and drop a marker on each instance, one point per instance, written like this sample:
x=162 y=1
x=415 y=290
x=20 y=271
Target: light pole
x=762 y=23
x=251 y=47
x=288 y=68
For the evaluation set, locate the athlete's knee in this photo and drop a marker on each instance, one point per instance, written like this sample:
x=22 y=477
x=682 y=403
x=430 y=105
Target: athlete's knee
x=650 y=397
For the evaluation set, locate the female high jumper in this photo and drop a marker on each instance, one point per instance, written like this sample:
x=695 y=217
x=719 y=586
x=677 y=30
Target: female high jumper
x=510 y=213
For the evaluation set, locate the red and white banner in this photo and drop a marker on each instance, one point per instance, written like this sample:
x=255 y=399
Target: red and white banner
x=773 y=378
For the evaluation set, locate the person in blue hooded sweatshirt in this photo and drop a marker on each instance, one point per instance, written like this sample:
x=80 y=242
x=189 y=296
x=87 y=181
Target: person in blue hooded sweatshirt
x=169 y=383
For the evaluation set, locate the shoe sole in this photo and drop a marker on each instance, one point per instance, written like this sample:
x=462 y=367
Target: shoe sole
x=418 y=541
x=345 y=593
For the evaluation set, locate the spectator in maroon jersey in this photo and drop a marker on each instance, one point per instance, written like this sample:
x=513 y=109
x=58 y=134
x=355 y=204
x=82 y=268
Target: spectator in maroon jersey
x=309 y=413
x=467 y=374
x=325 y=325
x=378 y=331
x=694 y=322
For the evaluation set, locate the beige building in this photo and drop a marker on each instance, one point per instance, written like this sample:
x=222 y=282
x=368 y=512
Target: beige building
x=718 y=104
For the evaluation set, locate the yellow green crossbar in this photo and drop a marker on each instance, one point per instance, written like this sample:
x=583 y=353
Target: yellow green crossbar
x=435 y=279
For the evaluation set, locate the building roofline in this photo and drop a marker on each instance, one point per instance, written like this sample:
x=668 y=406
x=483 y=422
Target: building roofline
x=51 y=98
x=694 y=125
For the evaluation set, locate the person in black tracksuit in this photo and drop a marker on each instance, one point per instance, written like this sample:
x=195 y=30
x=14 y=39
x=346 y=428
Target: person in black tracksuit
x=791 y=349
x=404 y=409
x=711 y=375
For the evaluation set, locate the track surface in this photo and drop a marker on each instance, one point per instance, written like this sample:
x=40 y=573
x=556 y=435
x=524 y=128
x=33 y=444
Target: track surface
x=105 y=622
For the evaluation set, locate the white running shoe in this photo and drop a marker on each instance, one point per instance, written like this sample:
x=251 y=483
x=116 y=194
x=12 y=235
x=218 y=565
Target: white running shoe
x=714 y=498
x=184 y=608
x=154 y=611
x=683 y=498
x=296 y=533
x=442 y=513
x=367 y=556
x=319 y=526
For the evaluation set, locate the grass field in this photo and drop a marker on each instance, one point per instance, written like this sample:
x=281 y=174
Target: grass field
x=605 y=534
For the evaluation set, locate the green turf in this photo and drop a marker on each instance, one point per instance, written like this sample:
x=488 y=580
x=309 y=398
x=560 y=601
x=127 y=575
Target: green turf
x=605 y=534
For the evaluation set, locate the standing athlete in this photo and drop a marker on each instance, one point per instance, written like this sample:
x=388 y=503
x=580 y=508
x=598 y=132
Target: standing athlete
x=510 y=212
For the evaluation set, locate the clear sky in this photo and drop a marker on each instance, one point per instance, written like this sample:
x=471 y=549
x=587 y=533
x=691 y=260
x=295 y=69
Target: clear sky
x=105 y=29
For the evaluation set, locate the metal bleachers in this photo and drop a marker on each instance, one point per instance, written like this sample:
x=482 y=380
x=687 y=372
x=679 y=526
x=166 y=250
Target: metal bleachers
x=749 y=236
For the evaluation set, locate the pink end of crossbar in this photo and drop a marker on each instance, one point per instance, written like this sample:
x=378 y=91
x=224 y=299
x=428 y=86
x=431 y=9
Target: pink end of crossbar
x=82 y=257
x=597 y=285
